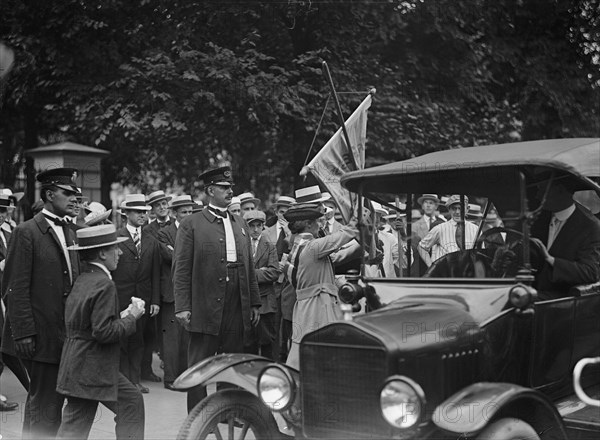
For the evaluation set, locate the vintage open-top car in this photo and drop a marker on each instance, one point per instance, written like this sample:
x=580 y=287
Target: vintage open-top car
x=469 y=350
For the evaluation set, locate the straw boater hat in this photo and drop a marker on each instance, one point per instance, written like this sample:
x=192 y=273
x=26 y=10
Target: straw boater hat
x=14 y=196
x=254 y=215
x=432 y=197
x=135 y=202
x=157 y=196
x=63 y=178
x=198 y=206
x=234 y=201
x=311 y=194
x=96 y=236
x=181 y=201
x=303 y=211
x=284 y=201
x=217 y=176
x=379 y=208
x=5 y=202
x=454 y=199
x=97 y=213
x=248 y=197
x=475 y=211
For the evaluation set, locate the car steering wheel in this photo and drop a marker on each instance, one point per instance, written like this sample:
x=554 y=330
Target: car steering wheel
x=507 y=253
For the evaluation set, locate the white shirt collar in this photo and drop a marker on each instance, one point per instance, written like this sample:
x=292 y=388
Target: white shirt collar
x=132 y=229
x=103 y=267
x=331 y=221
x=210 y=205
x=50 y=214
x=177 y=224
x=565 y=213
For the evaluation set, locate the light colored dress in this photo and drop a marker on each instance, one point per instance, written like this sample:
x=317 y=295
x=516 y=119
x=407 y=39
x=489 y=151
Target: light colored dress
x=316 y=293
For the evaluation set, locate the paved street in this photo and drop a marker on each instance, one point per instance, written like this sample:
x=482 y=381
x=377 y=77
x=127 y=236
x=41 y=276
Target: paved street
x=165 y=411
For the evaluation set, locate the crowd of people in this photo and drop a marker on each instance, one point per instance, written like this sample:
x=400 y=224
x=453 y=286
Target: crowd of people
x=87 y=303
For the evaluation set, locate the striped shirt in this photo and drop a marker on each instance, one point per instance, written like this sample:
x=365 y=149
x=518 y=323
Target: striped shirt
x=441 y=240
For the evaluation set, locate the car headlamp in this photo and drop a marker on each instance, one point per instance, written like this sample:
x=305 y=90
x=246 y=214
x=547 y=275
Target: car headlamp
x=276 y=388
x=402 y=402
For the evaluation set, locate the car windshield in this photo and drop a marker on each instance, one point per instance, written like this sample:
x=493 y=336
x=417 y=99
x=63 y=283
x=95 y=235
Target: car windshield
x=437 y=238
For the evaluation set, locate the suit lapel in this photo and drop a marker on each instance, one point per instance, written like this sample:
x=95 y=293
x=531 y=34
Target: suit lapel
x=123 y=232
x=3 y=248
x=569 y=229
x=260 y=250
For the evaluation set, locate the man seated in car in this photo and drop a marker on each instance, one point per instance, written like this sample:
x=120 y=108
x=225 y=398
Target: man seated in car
x=568 y=236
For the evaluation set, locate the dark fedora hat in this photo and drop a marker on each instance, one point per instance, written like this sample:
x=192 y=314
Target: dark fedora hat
x=304 y=211
x=63 y=178
x=217 y=176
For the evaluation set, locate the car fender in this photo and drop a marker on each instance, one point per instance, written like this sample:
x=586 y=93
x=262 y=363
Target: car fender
x=238 y=369
x=471 y=409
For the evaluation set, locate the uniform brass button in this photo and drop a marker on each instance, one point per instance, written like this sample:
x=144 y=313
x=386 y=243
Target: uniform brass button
x=222 y=260
x=220 y=239
x=219 y=299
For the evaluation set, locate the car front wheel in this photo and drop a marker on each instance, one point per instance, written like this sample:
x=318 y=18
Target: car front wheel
x=229 y=414
x=509 y=429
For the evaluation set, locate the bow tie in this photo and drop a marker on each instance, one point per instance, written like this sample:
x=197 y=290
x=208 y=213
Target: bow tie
x=163 y=224
x=218 y=212
x=57 y=221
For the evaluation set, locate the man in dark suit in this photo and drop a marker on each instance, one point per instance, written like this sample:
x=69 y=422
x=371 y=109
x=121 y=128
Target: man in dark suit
x=4 y=239
x=214 y=284
x=267 y=272
x=38 y=276
x=569 y=237
x=137 y=275
x=174 y=337
x=159 y=202
x=421 y=227
x=89 y=367
x=279 y=234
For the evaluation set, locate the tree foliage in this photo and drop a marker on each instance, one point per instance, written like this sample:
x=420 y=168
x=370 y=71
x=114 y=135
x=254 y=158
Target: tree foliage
x=171 y=87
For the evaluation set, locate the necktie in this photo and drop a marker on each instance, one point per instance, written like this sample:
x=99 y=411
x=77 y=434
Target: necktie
x=254 y=246
x=553 y=230
x=57 y=221
x=137 y=241
x=458 y=235
x=280 y=245
x=218 y=212
x=64 y=225
x=430 y=222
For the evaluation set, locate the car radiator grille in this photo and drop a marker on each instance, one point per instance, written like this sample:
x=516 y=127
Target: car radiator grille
x=340 y=386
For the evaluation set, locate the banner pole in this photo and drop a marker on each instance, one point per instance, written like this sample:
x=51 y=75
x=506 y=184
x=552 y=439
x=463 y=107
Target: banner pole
x=338 y=108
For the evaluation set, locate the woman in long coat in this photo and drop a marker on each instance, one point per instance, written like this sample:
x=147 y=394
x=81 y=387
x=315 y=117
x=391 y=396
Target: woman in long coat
x=311 y=271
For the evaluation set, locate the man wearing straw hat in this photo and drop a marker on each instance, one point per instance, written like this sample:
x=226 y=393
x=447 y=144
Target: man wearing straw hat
x=89 y=367
x=174 y=337
x=447 y=237
x=214 y=284
x=159 y=202
x=38 y=276
x=137 y=275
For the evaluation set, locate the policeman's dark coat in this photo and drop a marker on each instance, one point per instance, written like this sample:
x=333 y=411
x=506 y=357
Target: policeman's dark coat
x=89 y=367
x=267 y=272
x=135 y=275
x=200 y=270
x=166 y=238
x=3 y=253
x=36 y=283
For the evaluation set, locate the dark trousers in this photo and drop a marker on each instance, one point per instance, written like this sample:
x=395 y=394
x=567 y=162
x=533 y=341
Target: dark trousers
x=175 y=342
x=150 y=345
x=132 y=350
x=78 y=415
x=286 y=337
x=263 y=337
x=44 y=405
x=229 y=340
